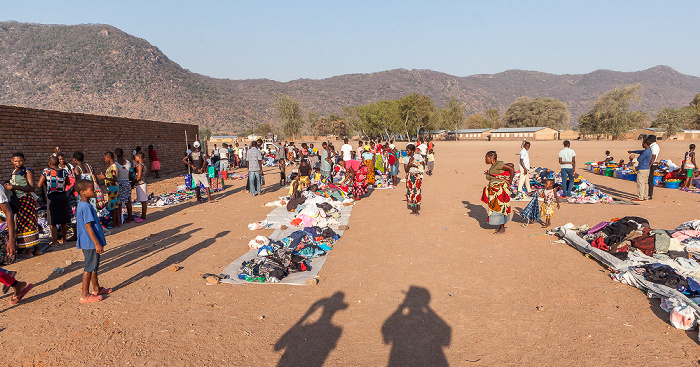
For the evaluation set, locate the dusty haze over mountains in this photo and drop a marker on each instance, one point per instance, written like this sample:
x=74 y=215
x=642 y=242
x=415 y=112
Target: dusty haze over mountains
x=102 y=70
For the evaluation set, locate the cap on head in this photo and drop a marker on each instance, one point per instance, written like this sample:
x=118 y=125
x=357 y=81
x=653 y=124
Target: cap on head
x=195 y=144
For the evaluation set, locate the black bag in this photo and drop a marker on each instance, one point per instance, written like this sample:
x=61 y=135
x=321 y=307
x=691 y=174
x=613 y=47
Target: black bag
x=14 y=202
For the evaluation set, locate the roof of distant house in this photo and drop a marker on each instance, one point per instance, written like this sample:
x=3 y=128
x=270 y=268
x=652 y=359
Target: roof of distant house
x=224 y=137
x=518 y=129
x=472 y=131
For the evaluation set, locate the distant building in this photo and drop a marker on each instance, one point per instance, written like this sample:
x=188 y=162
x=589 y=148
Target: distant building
x=472 y=134
x=691 y=134
x=640 y=134
x=218 y=139
x=522 y=133
x=569 y=135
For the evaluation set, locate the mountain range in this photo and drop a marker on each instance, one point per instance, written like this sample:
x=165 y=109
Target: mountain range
x=99 y=69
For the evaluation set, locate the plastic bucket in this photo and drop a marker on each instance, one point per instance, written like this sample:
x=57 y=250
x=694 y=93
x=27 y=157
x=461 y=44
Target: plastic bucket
x=609 y=172
x=673 y=185
x=632 y=177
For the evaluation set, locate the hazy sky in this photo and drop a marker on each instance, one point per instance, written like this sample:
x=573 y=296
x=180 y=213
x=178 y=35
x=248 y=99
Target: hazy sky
x=291 y=39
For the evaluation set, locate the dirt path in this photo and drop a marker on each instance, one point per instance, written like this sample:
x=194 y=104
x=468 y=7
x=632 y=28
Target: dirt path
x=435 y=288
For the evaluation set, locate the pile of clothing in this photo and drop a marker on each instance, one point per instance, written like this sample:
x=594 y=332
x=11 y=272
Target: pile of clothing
x=318 y=208
x=277 y=259
x=664 y=263
x=583 y=192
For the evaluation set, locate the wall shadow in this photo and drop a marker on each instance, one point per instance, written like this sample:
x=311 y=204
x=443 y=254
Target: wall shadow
x=416 y=333
x=128 y=255
x=309 y=343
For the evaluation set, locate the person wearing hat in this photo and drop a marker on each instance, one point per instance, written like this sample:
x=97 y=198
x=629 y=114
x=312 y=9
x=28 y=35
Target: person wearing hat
x=197 y=160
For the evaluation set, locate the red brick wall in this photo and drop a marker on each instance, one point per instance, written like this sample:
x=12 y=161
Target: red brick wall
x=36 y=132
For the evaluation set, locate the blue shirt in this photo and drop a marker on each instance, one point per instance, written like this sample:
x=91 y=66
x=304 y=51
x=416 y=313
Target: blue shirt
x=85 y=213
x=644 y=159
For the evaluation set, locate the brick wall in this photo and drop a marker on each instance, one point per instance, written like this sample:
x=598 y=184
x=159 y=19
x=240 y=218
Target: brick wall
x=36 y=132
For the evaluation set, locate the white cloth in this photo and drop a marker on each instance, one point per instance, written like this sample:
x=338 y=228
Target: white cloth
x=223 y=153
x=141 y=193
x=123 y=171
x=3 y=197
x=525 y=157
x=423 y=149
x=346 y=149
x=655 y=150
x=567 y=155
x=417 y=159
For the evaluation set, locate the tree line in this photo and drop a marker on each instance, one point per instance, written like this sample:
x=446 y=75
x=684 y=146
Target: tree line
x=610 y=115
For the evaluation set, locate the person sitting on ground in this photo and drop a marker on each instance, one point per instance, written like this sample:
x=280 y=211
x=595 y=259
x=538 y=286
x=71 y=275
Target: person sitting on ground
x=633 y=161
x=689 y=165
x=608 y=158
x=547 y=208
x=91 y=240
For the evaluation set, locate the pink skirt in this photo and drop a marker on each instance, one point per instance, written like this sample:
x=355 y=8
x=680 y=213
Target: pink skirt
x=155 y=166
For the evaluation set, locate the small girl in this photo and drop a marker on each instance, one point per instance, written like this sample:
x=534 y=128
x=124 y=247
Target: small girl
x=295 y=186
x=141 y=186
x=431 y=162
x=316 y=177
x=547 y=207
x=283 y=172
x=689 y=165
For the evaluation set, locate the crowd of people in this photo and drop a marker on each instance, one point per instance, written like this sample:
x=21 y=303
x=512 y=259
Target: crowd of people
x=70 y=190
x=497 y=194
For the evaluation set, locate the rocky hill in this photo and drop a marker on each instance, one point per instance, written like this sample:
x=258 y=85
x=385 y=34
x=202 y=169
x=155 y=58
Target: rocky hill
x=100 y=69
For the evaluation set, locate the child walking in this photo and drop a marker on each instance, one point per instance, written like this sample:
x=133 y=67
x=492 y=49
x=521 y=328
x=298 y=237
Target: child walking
x=91 y=239
x=547 y=207
x=141 y=186
x=431 y=162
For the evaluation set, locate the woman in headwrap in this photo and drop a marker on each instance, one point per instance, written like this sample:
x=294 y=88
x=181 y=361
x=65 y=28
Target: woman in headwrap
x=413 y=166
x=497 y=193
x=368 y=159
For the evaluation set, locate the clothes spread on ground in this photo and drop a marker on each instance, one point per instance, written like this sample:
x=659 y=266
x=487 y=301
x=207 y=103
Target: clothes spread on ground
x=663 y=263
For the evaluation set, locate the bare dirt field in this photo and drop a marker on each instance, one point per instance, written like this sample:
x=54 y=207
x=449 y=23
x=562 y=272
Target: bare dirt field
x=431 y=290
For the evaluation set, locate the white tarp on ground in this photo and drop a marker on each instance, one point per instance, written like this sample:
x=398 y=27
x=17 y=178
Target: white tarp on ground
x=280 y=216
x=626 y=272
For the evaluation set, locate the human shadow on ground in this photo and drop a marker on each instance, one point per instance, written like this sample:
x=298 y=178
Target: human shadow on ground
x=478 y=213
x=416 y=333
x=128 y=255
x=615 y=192
x=309 y=343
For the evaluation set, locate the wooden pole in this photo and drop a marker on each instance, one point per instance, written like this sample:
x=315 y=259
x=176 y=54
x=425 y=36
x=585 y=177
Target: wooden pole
x=188 y=166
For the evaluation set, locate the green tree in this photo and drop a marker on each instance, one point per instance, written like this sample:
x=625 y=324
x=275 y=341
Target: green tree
x=541 y=111
x=289 y=111
x=452 y=116
x=416 y=111
x=204 y=133
x=493 y=116
x=695 y=112
x=264 y=128
x=673 y=120
x=611 y=115
x=311 y=120
x=477 y=121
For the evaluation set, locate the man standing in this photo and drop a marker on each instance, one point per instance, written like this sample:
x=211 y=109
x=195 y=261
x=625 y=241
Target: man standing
x=644 y=162
x=197 y=160
x=223 y=157
x=525 y=169
x=346 y=149
x=567 y=160
x=651 y=139
x=326 y=162
x=254 y=160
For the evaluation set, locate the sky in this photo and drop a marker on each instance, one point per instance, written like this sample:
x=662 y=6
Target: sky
x=292 y=39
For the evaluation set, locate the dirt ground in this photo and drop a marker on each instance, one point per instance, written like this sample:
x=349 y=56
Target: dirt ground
x=435 y=289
